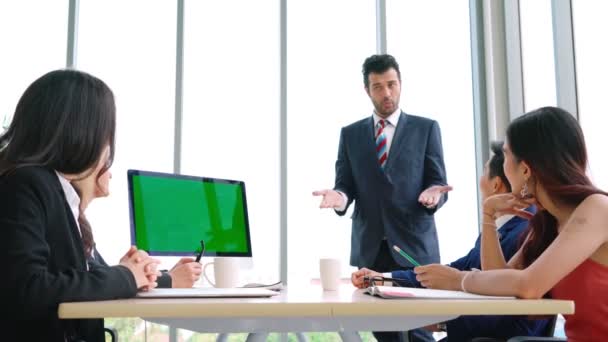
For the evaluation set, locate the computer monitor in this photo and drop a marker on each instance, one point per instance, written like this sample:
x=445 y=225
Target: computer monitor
x=171 y=214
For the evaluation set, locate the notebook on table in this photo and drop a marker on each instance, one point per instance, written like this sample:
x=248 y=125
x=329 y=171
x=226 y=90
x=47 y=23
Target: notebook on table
x=392 y=292
x=207 y=292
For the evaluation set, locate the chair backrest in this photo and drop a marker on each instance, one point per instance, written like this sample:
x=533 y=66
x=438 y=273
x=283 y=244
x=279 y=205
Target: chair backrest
x=550 y=329
x=112 y=332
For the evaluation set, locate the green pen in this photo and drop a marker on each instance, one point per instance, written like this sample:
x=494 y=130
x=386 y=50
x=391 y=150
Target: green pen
x=409 y=258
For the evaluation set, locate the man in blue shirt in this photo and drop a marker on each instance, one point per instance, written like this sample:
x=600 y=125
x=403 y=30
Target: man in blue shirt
x=464 y=328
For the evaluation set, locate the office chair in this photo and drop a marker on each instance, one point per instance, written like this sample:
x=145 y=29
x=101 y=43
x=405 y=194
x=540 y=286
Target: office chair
x=535 y=339
x=112 y=332
x=549 y=331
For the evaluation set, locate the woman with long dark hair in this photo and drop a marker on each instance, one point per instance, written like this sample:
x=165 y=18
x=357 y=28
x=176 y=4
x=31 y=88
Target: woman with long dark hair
x=63 y=130
x=565 y=251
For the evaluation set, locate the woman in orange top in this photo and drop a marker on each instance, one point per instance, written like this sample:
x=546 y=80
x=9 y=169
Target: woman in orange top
x=565 y=251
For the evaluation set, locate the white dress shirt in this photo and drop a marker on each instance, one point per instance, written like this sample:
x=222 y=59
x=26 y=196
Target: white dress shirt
x=389 y=131
x=71 y=197
x=500 y=221
x=73 y=200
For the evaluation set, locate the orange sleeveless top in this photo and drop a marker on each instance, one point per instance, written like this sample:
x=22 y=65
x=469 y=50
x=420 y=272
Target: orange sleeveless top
x=587 y=286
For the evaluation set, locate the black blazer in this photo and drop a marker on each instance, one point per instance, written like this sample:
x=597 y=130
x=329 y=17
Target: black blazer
x=386 y=202
x=43 y=255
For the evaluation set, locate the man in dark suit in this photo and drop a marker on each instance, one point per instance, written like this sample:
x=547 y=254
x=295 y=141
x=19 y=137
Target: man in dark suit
x=391 y=166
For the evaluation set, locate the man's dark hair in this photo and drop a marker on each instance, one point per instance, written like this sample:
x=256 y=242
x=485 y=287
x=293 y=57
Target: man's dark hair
x=495 y=165
x=379 y=64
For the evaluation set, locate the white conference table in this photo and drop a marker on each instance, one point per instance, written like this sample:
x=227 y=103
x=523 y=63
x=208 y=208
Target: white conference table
x=307 y=308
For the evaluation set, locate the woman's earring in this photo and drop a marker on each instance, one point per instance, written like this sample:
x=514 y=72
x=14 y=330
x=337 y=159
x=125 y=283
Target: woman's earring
x=523 y=193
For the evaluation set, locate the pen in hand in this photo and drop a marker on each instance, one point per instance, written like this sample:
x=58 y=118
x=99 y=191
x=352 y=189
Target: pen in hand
x=200 y=254
x=409 y=258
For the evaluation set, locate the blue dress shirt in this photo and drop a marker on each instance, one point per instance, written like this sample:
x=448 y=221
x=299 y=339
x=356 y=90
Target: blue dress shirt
x=465 y=328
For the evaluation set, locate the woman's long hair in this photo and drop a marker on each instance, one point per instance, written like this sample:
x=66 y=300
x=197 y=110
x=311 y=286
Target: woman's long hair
x=551 y=142
x=86 y=231
x=63 y=122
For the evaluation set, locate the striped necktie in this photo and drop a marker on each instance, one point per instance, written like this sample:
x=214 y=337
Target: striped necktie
x=381 y=150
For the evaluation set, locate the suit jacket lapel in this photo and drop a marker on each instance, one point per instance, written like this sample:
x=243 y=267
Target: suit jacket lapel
x=73 y=224
x=398 y=139
x=368 y=138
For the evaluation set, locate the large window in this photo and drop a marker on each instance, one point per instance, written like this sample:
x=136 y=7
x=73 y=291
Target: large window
x=431 y=41
x=325 y=93
x=538 y=61
x=33 y=38
x=231 y=111
x=137 y=61
x=590 y=29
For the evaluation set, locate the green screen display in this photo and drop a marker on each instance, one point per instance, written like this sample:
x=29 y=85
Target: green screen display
x=171 y=214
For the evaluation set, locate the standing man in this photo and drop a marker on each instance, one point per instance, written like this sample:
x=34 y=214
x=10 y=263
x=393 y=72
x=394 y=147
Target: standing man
x=391 y=166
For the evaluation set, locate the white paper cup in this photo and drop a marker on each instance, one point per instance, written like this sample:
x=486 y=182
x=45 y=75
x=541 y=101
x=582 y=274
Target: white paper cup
x=330 y=273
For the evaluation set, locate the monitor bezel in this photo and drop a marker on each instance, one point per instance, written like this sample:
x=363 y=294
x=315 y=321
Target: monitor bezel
x=133 y=172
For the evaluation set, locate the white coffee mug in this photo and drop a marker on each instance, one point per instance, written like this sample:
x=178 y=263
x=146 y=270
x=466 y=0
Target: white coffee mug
x=330 y=273
x=225 y=272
